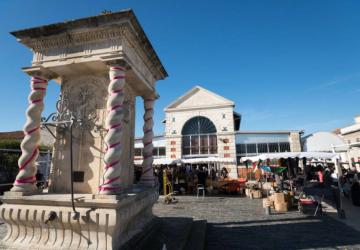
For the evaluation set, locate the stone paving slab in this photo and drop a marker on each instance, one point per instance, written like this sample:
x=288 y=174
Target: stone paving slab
x=240 y=223
x=3 y=230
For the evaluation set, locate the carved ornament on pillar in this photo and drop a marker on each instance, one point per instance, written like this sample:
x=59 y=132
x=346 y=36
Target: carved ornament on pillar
x=111 y=181
x=25 y=180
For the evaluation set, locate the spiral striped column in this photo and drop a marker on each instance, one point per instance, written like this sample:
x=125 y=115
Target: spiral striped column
x=25 y=180
x=147 y=177
x=111 y=182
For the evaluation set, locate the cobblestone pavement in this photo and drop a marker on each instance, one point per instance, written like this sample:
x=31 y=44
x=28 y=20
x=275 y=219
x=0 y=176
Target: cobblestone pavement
x=240 y=223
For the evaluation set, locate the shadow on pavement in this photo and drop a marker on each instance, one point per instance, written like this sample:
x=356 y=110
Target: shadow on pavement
x=295 y=233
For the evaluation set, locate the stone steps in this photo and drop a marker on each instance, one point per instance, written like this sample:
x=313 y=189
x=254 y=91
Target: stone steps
x=176 y=233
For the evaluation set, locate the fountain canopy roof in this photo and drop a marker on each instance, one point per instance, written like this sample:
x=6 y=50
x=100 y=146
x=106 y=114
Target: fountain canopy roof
x=37 y=37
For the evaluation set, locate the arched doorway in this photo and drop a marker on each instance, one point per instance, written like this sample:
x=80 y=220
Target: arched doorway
x=199 y=137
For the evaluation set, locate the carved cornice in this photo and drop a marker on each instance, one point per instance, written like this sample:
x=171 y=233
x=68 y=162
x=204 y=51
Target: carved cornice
x=69 y=39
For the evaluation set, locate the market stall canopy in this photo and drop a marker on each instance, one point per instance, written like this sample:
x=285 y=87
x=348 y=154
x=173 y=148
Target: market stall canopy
x=308 y=155
x=207 y=160
x=202 y=160
x=160 y=161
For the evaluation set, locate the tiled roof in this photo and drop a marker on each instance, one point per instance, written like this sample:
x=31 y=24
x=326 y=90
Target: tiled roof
x=13 y=135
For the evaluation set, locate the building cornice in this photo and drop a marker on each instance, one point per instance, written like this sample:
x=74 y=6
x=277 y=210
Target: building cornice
x=171 y=110
x=350 y=129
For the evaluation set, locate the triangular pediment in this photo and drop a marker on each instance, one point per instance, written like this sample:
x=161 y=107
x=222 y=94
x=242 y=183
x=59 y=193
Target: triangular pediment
x=199 y=97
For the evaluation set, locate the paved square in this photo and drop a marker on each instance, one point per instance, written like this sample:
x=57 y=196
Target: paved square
x=240 y=223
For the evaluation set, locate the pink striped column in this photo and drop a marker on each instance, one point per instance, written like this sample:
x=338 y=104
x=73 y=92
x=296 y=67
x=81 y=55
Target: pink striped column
x=111 y=181
x=147 y=177
x=25 y=180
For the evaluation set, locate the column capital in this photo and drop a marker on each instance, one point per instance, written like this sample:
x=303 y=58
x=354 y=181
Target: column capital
x=117 y=61
x=40 y=71
x=151 y=96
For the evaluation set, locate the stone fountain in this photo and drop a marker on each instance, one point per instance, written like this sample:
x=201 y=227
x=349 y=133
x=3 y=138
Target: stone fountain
x=102 y=63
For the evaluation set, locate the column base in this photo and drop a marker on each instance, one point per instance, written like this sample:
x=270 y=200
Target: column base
x=103 y=221
x=17 y=191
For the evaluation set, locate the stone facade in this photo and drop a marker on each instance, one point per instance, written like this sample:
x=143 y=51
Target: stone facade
x=231 y=142
x=201 y=102
x=351 y=135
x=295 y=143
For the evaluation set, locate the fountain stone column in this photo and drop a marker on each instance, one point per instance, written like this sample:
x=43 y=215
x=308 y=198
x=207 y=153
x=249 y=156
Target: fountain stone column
x=95 y=128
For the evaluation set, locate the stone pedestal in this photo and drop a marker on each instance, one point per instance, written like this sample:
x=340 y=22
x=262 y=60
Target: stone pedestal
x=105 y=221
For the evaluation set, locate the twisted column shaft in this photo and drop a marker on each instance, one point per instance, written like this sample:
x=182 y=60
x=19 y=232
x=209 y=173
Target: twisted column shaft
x=111 y=182
x=25 y=180
x=147 y=177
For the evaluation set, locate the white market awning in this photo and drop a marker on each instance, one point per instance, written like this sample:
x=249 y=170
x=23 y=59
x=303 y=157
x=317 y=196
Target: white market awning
x=308 y=155
x=200 y=160
x=160 y=161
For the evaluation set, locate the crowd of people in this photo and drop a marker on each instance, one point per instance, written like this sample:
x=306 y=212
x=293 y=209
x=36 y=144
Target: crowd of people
x=351 y=185
x=185 y=179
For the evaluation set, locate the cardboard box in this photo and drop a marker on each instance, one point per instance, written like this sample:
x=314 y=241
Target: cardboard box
x=279 y=197
x=257 y=194
x=271 y=198
x=281 y=206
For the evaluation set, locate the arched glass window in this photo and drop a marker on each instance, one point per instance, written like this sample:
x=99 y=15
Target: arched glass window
x=199 y=137
x=198 y=125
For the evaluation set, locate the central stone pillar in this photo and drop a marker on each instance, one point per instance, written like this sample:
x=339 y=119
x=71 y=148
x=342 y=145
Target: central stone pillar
x=97 y=142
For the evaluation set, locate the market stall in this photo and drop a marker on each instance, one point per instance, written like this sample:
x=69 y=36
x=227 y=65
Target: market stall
x=183 y=176
x=289 y=176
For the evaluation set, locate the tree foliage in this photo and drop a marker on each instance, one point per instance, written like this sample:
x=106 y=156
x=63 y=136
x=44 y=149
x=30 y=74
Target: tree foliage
x=9 y=156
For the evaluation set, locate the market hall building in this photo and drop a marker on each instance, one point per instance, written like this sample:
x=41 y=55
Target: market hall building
x=201 y=124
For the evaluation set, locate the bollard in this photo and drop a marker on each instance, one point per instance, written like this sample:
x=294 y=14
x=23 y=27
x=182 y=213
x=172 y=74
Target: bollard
x=267 y=210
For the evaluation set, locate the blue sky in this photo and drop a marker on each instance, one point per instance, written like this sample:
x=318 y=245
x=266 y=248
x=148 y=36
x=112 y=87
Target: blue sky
x=286 y=64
